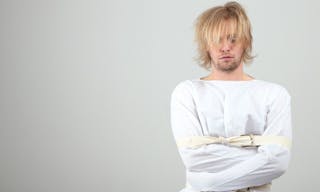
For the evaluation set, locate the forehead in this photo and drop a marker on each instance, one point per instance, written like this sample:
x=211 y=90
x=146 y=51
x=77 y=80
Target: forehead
x=225 y=27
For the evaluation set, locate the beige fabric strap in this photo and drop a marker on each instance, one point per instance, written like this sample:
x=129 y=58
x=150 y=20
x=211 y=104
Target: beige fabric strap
x=240 y=141
x=266 y=187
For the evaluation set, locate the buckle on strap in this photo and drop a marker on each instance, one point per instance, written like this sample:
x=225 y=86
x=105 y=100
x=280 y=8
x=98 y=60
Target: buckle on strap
x=222 y=140
x=250 y=142
x=251 y=139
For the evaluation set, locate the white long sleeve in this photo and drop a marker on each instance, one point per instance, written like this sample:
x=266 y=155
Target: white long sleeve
x=230 y=108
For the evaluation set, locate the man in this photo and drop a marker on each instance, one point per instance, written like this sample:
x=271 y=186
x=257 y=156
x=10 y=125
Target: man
x=233 y=131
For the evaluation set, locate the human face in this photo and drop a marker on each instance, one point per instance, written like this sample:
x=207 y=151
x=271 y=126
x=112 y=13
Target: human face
x=226 y=55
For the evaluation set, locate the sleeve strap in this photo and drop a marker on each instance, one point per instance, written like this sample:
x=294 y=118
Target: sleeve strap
x=239 y=141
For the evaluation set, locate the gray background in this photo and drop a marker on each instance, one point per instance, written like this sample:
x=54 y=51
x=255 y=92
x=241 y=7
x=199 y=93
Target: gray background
x=85 y=89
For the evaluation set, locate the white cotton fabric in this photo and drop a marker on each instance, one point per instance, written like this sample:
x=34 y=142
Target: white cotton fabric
x=231 y=108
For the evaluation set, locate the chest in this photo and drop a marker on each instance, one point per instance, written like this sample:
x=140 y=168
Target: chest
x=231 y=113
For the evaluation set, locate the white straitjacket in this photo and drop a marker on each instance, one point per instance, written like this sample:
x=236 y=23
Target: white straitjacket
x=228 y=108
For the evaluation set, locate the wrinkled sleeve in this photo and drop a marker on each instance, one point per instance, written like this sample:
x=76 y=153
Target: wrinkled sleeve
x=239 y=167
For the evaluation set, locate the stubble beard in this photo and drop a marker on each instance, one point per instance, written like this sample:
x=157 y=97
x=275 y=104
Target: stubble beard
x=226 y=66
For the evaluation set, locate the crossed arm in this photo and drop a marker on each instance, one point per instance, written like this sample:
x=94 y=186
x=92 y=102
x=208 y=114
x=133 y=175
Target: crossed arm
x=217 y=167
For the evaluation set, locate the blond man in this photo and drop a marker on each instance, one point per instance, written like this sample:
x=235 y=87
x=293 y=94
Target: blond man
x=233 y=131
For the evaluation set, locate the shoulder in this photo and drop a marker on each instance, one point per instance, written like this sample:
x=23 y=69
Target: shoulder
x=183 y=86
x=183 y=91
x=276 y=92
x=276 y=88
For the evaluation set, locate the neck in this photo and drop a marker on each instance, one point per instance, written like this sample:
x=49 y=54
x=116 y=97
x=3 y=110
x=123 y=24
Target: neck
x=236 y=74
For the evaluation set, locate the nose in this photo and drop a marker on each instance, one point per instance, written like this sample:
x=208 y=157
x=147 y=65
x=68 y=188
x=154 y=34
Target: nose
x=225 y=46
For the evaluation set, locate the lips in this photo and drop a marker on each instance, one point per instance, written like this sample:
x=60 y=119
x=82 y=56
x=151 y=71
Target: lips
x=226 y=57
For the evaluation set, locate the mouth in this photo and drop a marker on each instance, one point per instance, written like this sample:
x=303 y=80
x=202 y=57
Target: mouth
x=227 y=57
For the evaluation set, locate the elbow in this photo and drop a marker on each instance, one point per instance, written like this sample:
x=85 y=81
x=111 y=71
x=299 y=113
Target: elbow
x=278 y=171
x=278 y=157
x=282 y=161
x=193 y=160
x=191 y=166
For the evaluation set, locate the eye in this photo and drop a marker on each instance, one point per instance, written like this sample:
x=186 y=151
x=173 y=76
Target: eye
x=232 y=38
x=218 y=40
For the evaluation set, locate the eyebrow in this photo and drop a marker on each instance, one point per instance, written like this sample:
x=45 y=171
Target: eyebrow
x=232 y=35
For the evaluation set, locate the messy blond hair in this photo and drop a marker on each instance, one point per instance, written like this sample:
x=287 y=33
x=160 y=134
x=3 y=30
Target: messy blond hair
x=211 y=23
